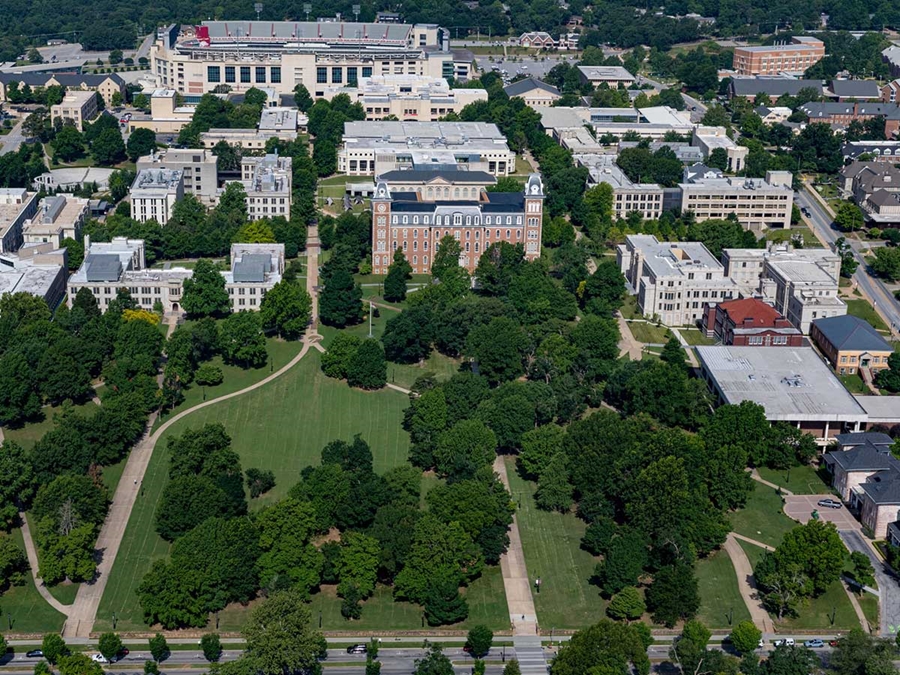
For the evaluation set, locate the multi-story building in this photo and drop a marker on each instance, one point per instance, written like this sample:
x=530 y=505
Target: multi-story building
x=609 y=75
x=875 y=151
x=198 y=168
x=166 y=115
x=673 y=280
x=851 y=344
x=439 y=184
x=537 y=39
x=58 y=217
x=120 y=264
x=38 y=269
x=841 y=115
x=411 y=97
x=255 y=269
x=709 y=139
x=267 y=182
x=379 y=147
x=534 y=92
x=890 y=93
x=644 y=198
x=875 y=187
x=105 y=85
x=774 y=87
x=749 y=322
x=154 y=193
x=77 y=107
x=891 y=56
x=274 y=122
x=17 y=205
x=404 y=220
x=757 y=204
x=283 y=54
x=802 y=284
x=803 y=52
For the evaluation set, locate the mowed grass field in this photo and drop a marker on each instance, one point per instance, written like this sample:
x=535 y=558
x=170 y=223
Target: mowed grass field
x=282 y=427
x=763 y=519
x=28 y=611
x=720 y=598
x=552 y=543
x=29 y=434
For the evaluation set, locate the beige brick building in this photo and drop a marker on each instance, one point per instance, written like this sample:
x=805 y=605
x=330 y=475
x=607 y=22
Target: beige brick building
x=77 y=107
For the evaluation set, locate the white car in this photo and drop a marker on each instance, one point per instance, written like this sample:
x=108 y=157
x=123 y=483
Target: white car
x=99 y=658
x=785 y=642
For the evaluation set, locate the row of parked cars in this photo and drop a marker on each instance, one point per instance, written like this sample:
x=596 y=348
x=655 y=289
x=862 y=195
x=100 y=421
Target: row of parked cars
x=99 y=658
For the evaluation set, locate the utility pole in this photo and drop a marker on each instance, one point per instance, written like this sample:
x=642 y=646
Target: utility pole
x=307 y=7
x=259 y=8
x=371 y=309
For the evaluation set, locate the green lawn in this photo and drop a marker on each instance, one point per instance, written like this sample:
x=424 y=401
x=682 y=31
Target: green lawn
x=694 y=337
x=869 y=604
x=552 y=552
x=854 y=384
x=781 y=235
x=719 y=594
x=864 y=310
x=65 y=593
x=649 y=333
x=236 y=378
x=29 y=611
x=754 y=553
x=630 y=308
x=443 y=367
x=815 y=614
x=763 y=518
x=486 y=597
x=282 y=427
x=31 y=433
x=801 y=480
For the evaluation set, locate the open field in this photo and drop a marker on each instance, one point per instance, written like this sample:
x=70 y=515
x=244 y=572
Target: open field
x=282 y=427
x=694 y=337
x=553 y=553
x=29 y=612
x=719 y=594
x=649 y=333
x=763 y=518
x=30 y=433
x=781 y=235
x=235 y=378
x=801 y=480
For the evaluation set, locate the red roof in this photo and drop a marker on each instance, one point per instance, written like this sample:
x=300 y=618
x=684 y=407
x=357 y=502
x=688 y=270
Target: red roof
x=762 y=315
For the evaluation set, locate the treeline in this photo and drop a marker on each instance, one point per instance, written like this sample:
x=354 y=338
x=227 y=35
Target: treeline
x=385 y=535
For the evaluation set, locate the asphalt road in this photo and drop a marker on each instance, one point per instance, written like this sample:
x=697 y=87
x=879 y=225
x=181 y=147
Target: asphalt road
x=874 y=289
x=13 y=140
x=887 y=582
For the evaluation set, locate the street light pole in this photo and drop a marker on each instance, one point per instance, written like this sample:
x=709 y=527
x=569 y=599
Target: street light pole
x=371 y=309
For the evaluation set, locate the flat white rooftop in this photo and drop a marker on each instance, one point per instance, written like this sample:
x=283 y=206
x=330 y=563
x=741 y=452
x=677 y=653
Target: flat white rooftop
x=792 y=384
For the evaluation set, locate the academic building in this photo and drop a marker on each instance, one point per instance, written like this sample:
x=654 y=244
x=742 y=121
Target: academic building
x=404 y=220
x=803 y=53
x=282 y=54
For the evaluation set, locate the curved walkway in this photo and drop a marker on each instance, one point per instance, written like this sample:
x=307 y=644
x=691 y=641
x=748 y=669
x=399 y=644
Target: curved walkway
x=752 y=541
x=747 y=585
x=33 y=563
x=84 y=610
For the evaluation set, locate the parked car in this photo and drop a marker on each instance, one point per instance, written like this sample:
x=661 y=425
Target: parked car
x=35 y=654
x=99 y=658
x=784 y=642
x=832 y=643
x=829 y=503
x=357 y=649
x=814 y=644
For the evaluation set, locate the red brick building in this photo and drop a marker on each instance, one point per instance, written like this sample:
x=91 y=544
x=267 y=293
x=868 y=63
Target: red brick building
x=803 y=53
x=749 y=323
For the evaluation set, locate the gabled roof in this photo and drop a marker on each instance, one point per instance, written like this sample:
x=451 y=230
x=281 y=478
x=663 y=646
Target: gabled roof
x=850 y=333
x=863 y=458
x=773 y=86
x=760 y=313
x=427 y=176
x=529 y=84
x=883 y=487
x=855 y=88
x=854 y=438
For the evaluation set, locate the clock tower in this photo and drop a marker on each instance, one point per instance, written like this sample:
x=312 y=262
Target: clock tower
x=382 y=249
x=534 y=216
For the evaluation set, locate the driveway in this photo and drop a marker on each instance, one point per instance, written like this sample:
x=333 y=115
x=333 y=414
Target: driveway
x=887 y=582
x=800 y=508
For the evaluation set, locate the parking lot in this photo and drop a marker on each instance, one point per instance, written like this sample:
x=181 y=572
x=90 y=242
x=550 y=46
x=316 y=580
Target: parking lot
x=800 y=508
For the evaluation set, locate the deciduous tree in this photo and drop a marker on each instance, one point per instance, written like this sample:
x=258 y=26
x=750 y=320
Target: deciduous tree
x=204 y=292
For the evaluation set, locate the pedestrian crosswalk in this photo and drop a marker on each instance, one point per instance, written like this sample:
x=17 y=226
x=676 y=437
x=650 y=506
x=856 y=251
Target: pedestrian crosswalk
x=530 y=654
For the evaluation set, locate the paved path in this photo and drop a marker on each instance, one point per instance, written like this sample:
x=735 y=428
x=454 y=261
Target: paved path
x=33 y=563
x=516 y=582
x=752 y=541
x=389 y=385
x=888 y=590
x=312 y=276
x=747 y=585
x=754 y=474
x=84 y=609
x=863 y=621
x=13 y=140
x=627 y=343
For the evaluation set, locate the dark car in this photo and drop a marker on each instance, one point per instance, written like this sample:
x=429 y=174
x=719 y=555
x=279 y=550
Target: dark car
x=830 y=503
x=357 y=649
x=35 y=654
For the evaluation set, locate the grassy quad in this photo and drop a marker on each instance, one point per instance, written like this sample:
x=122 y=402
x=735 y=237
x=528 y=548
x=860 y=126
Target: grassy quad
x=283 y=427
x=720 y=597
x=763 y=518
x=649 y=333
x=552 y=544
x=801 y=480
x=29 y=434
x=862 y=309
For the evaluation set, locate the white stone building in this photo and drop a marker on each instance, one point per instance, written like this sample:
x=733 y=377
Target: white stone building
x=154 y=193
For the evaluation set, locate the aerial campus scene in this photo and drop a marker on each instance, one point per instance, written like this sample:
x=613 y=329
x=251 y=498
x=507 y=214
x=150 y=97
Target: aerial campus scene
x=547 y=337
